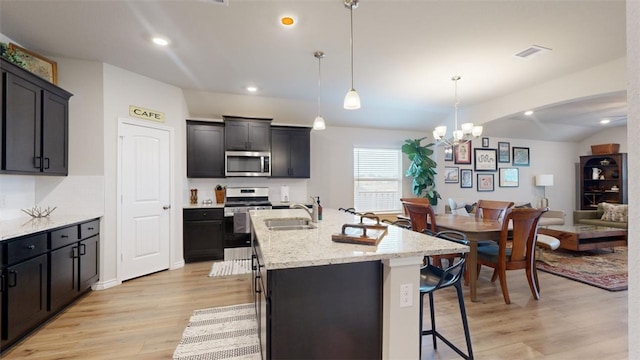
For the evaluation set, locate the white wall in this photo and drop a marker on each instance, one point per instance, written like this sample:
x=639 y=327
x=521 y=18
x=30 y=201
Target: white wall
x=546 y=157
x=608 y=135
x=121 y=89
x=332 y=160
x=633 y=134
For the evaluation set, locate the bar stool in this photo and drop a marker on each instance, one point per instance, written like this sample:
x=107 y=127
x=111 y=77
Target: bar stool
x=433 y=278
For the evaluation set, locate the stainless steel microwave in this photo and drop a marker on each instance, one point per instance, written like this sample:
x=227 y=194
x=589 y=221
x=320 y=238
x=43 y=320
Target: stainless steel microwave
x=247 y=163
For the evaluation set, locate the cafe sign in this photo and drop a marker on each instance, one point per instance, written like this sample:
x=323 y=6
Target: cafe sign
x=146 y=114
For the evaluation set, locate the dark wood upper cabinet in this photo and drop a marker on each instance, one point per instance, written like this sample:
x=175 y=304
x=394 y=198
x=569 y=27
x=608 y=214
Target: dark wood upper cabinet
x=205 y=149
x=290 y=152
x=35 y=120
x=251 y=134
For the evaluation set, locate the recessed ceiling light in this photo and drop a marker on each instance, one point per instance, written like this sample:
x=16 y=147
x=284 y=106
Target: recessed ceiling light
x=287 y=21
x=252 y=89
x=605 y=121
x=160 y=41
x=528 y=112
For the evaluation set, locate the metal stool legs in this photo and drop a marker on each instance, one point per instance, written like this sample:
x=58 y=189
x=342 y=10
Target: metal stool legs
x=435 y=334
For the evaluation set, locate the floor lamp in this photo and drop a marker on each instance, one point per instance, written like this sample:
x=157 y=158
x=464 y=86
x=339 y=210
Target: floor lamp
x=544 y=181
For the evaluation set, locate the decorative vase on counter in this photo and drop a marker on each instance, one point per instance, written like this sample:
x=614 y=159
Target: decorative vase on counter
x=194 y=197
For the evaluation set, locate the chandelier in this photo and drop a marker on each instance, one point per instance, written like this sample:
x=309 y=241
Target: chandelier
x=467 y=131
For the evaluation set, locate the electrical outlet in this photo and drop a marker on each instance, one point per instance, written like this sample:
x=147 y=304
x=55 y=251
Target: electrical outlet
x=406 y=295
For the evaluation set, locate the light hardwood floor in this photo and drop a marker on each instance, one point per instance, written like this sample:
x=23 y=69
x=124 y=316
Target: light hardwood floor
x=144 y=319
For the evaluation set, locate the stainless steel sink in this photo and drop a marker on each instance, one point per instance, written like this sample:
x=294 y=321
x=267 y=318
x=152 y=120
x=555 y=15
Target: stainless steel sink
x=289 y=224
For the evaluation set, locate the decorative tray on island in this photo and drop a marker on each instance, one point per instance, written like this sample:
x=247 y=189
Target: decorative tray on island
x=361 y=233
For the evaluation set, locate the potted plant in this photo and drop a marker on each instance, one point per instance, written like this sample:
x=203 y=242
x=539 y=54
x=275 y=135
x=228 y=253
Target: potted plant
x=422 y=169
x=10 y=55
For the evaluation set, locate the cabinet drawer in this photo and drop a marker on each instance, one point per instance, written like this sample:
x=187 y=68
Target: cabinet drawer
x=64 y=236
x=203 y=214
x=89 y=229
x=25 y=248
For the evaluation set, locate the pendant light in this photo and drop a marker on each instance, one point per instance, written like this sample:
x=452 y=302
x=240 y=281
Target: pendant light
x=318 y=123
x=352 y=99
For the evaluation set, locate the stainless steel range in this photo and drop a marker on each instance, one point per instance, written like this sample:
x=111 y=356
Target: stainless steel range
x=237 y=223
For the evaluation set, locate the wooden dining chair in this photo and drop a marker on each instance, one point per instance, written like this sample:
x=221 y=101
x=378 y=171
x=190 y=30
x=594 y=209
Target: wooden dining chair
x=521 y=252
x=491 y=209
x=423 y=219
x=413 y=200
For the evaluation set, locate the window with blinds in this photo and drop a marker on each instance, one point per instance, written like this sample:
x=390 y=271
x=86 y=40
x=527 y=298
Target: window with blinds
x=377 y=175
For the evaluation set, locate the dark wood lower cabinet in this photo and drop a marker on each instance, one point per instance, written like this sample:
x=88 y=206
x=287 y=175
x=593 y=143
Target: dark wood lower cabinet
x=64 y=276
x=320 y=312
x=43 y=273
x=26 y=298
x=203 y=234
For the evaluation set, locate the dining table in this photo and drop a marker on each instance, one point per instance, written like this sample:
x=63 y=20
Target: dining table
x=476 y=229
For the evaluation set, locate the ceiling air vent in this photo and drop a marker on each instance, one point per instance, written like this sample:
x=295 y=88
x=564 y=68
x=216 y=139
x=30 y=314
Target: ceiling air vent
x=217 y=2
x=531 y=52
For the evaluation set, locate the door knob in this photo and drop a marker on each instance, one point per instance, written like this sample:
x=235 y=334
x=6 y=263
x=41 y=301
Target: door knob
x=166 y=207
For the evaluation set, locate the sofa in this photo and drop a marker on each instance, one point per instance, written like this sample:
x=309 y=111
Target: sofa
x=611 y=215
x=550 y=217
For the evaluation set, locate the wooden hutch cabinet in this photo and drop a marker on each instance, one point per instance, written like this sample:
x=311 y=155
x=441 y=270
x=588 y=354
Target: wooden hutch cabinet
x=603 y=178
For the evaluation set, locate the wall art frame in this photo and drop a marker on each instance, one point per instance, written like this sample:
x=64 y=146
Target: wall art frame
x=485 y=159
x=485 y=182
x=509 y=177
x=37 y=64
x=520 y=156
x=466 y=178
x=462 y=153
x=448 y=153
x=451 y=174
x=504 y=152
x=485 y=142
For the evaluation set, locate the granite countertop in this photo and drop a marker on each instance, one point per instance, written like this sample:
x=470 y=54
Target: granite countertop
x=25 y=225
x=314 y=247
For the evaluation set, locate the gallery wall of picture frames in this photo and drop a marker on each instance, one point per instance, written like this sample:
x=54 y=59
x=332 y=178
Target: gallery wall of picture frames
x=503 y=159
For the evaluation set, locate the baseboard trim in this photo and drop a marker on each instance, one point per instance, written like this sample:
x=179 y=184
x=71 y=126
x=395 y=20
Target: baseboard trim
x=104 y=285
x=177 y=265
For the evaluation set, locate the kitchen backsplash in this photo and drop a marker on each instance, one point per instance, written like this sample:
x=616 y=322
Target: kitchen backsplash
x=69 y=194
x=297 y=187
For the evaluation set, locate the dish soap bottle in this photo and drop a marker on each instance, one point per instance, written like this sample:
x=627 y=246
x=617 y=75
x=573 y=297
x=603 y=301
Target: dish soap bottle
x=319 y=209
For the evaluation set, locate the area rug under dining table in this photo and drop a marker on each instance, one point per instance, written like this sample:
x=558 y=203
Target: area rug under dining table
x=600 y=267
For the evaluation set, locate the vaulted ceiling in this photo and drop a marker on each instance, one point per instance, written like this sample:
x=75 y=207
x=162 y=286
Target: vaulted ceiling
x=405 y=52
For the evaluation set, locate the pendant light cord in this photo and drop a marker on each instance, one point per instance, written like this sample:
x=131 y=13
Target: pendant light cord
x=351 y=12
x=456 y=102
x=319 y=83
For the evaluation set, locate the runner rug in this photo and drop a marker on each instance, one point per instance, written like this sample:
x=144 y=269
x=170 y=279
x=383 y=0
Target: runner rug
x=230 y=267
x=600 y=267
x=228 y=332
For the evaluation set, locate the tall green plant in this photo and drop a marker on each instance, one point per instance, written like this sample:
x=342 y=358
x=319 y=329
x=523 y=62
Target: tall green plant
x=422 y=169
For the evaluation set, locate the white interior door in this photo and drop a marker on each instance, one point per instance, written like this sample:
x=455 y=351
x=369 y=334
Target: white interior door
x=145 y=175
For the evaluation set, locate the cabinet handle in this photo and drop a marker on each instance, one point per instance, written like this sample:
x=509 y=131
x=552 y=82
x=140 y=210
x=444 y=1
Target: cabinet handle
x=46 y=162
x=166 y=207
x=31 y=247
x=255 y=284
x=74 y=255
x=64 y=236
x=83 y=249
x=89 y=228
x=37 y=162
x=15 y=279
x=253 y=264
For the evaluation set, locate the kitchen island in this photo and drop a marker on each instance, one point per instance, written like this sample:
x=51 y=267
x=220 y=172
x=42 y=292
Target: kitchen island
x=316 y=298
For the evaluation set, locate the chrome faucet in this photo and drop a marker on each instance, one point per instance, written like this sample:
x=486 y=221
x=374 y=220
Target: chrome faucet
x=313 y=213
